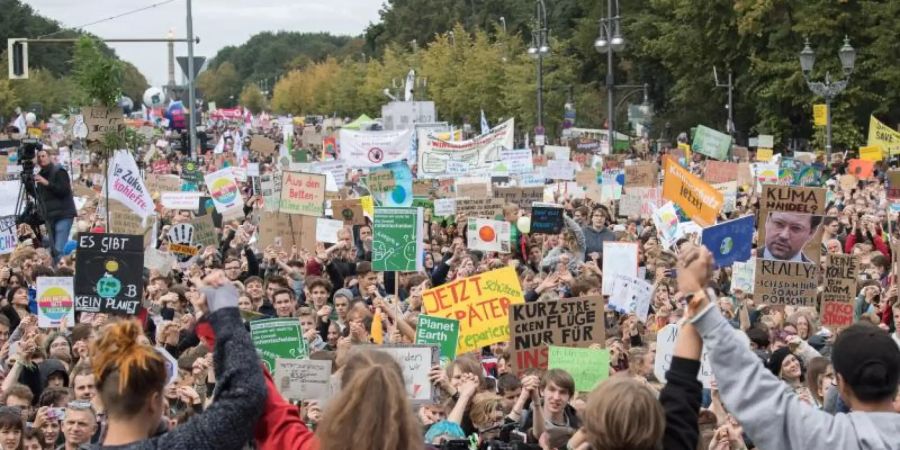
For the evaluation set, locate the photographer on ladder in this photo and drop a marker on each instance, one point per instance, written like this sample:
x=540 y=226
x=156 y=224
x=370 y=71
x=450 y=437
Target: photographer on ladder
x=54 y=195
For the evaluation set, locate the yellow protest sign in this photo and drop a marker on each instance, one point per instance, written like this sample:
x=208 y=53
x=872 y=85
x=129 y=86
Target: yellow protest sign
x=820 y=114
x=871 y=153
x=368 y=205
x=480 y=303
x=763 y=154
x=883 y=136
x=686 y=148
x=700 y=201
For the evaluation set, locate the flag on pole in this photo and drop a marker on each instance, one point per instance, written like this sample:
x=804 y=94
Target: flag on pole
x=20 y=123
x=485 y=128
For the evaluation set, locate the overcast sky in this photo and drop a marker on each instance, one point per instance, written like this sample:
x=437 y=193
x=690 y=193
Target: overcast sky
x=218 y=23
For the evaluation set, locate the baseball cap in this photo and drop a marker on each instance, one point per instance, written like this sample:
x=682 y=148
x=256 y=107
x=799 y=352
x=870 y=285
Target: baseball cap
x=868 y=360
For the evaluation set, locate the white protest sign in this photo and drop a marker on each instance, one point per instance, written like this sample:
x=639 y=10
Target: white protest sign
x=225 y=193
x=488 y=235
x=743 y=276
x=618 y=258
x=8 y=235
x=127 y=186
x=327 y=230
x=416 y=361
x=560 y=169
x=665 y=349
x=253 y=169
x=365 y=149
x=180 y=200
x=444 y=207
x=631 y=295
x=9 y=195
x=303 y=379
x=55 y=300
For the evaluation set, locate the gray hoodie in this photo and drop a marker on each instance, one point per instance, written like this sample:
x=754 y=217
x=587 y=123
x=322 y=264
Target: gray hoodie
x=771 y=414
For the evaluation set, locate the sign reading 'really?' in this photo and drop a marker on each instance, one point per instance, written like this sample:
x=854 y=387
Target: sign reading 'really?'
x=109 y=273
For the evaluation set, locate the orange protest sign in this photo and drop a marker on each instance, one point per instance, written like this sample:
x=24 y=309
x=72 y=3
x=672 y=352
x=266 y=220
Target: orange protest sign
x=861 y=169
x=700 y=201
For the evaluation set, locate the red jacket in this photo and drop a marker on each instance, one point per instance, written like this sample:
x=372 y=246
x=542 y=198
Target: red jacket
x=280 y=426
x=876 y=240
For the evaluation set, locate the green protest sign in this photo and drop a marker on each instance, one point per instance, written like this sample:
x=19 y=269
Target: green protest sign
x=440 y=331
x=278 y=338
x=712 y=143
x=397 y=242
x=587 y=366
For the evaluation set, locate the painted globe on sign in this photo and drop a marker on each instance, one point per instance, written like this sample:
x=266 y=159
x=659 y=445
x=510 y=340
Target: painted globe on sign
x=108 y=287
x=726 y=246
x=398 y=195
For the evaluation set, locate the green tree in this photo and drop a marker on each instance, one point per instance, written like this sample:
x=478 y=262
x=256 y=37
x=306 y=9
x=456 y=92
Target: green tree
x=52 y=94
x=221 y=85
x=8 y=98
x=253 y=98
x=133 y=82
x=98 y=75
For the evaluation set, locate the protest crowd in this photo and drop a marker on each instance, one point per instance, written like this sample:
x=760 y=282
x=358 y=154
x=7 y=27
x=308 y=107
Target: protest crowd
x=309 y=283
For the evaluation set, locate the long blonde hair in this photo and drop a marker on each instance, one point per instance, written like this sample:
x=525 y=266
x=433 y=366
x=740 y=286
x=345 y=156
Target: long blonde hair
x=372 y=410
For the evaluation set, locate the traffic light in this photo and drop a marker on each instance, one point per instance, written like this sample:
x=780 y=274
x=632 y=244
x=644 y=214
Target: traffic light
x=18 y=59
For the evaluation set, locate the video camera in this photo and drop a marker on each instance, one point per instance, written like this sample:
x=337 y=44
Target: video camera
x=26 y=153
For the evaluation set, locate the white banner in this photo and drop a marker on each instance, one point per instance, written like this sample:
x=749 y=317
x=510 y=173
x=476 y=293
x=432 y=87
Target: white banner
x=364 y=149
x=127 y=185
x=224 y=190
x=438 y=158
x=488 y=235
x=180 y=200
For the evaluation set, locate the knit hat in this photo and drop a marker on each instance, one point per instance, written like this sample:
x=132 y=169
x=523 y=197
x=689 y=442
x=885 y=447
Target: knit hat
x=868 y=360
x=344 y=292
x=776 y=359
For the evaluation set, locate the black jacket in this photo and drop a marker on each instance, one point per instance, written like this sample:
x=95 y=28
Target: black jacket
x=680 y=399
x=57 y=195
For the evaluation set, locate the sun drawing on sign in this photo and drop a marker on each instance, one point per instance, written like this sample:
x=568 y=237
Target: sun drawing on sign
x=487 y=234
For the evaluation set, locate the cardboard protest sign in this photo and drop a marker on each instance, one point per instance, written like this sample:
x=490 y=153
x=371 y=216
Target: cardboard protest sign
x=790 y=233
x=302 y=194
x=101 y=120
x=415 y=362
x=488 y=235
x=588 y=366
x=380 y=181
x=481 y=305
x=631 y=295
x=158 y=184
x=618 y=258
x=743 y=276
x=350 y=211
x=730 y=241
x=397 y=239
x=488 y=208
x=700 y=201
x=278 y=338
x=109 y=273
x=570 y=322
x=225 y=192
x=441 y=332
x=712 y=143
x=262 y=145
x=523 y=197
x=861 y=169
x=642 y=175
x=204 y=231
x=55 y=300
x=473 y=190
x=303 y=379
x=665 y=350
x=892 y=184
x=286 y=230
x=547 y=219
x=839 y=294
x=630 y=205
x=720 y=171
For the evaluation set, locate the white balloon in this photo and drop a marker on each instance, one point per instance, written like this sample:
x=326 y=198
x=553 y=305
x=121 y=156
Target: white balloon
x=30 y=118
x=524 y=224
x=154 y=97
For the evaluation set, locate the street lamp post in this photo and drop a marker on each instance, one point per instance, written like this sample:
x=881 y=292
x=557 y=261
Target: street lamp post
x=609 y=41
x=828 y=89
x=540 y=48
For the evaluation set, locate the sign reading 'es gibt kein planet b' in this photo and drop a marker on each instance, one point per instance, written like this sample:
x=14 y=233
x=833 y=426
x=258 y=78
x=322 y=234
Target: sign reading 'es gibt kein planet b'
x=109 y=273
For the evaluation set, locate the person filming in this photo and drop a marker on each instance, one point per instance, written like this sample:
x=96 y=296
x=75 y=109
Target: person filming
x=54 y=193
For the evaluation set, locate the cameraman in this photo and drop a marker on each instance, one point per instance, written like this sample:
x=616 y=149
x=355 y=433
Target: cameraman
x=54 y=191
